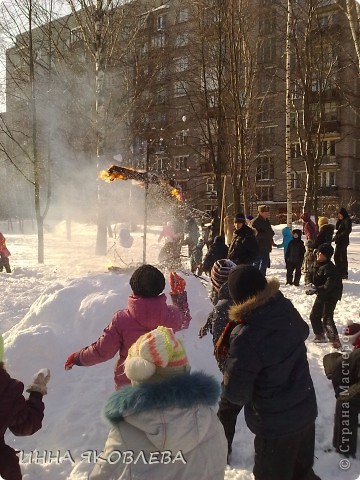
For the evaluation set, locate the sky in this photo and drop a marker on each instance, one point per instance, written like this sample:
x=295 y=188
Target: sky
x=49 y=311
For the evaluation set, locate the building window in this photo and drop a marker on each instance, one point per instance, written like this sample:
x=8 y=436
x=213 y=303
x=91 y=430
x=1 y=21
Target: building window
x=161 y=95
x=75 y=35
x=328 y=148
x=267 y=23
x=330 y=111
x=180 y=89
x=265 y=169
x=181 y=64
x=295 y=150
x=327 y=179
x=268 y=50
x=158 y=40
x=265 y=193
x=265 y=139
x=183 y=15
x=296 y=180
x=160 y=22
x=182 y=39
x=161 y=164
x=181 y=162
x=181 y=138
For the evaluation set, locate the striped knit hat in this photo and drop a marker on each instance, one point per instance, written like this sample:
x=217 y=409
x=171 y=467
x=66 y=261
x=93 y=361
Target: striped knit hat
x=220 y=272
x=155 y=356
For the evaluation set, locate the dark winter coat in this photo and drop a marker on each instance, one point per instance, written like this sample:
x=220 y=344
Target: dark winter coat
x=343 y=378
x=217 y=251
x=22 y=417
x=243 y=248
x=218 y=318
x=265 y=233
x=343 y=230
x=295 y=252
x=191 y=231
x=267 y=369
x=327 y=280
x=326 y=234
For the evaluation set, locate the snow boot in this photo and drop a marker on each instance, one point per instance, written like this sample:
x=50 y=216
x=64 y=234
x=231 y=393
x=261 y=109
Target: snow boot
x=320 y=338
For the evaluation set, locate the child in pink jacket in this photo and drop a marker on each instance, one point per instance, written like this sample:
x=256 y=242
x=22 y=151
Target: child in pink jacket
x=4 y=255
x=147 y=309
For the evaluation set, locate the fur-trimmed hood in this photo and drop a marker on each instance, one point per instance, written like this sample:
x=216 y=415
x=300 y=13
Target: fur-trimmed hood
x=239 y=311
x=269 y=310
x=182 y=391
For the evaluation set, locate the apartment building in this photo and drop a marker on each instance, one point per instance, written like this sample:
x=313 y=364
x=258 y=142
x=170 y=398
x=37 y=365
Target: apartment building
x=176 y=84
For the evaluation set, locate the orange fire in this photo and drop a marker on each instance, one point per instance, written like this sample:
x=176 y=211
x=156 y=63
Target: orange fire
x=175 y=193
x=110 y=177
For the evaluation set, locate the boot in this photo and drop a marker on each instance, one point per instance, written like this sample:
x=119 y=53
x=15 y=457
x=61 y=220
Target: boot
x=336 y=343
x=320 y=338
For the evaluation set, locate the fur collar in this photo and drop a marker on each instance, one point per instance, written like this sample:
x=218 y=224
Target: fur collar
x=182 y=391
x=239 y=311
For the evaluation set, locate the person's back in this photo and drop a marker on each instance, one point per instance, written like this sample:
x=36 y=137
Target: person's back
x=156 y=415
x=147 y=308
x=267 y=372
x=326 y=232
x=217 y=251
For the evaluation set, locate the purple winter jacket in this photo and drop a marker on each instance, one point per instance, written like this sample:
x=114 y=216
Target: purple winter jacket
x=20 y=416
x=141 y=316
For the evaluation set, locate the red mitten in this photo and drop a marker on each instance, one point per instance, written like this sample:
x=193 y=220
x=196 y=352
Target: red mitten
x=70 y=362
x=177 y=283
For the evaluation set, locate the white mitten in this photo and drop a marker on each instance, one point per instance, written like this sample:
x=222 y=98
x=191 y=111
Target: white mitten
x=310 y=289
x=40 y=380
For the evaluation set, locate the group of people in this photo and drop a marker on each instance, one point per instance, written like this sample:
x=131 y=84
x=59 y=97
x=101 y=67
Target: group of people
x=259 y=342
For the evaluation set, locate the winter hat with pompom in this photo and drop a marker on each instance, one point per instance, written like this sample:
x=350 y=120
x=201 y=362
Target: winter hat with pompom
x=220 y=272
x=147 y=281
x=1 y=349
x=352 y=331
x=155 y=356
x=322 y=221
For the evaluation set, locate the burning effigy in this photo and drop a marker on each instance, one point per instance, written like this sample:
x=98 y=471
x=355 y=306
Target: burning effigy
x=115 y=172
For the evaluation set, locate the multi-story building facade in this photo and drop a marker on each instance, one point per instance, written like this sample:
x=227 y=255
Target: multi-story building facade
x=176 y=87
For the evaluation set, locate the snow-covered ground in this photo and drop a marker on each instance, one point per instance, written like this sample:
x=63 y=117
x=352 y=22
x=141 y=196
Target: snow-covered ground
x=49 y=311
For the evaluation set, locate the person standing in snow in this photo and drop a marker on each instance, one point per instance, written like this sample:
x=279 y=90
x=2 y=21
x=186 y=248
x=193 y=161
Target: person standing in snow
x=147 y=308
x=166 y=409
x=326 y=232
x=287 y=237
x=294 y=258
x=264 y=238
x=196 y=256
x=267 y=373
x=21 y=416
x=217 y=251
x=4 y=255
x=326 y=283
x=309 y=261
x=191 y=234
x=310 y=229
x=219 y=317
x=344 y=372
x=341 y=239
x=243 y=247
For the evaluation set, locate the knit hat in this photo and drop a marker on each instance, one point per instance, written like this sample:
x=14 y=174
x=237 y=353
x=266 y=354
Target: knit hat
x=1 y=349
x=239 y=218
x=353 y=332
x=147 y=281
x=322 y=221
x=326 y=249
x=249 y=217
x=263 y=208
x=298 y=231
x=156 y=355
x=220 y=272
x=245 y=281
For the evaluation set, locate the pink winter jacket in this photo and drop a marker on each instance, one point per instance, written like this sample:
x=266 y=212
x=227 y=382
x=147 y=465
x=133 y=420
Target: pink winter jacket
x=141 y=316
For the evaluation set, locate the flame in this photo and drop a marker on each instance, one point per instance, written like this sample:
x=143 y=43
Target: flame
x=176 y=193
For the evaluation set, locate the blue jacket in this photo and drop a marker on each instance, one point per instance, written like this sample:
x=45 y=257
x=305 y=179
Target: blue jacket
x=287 y=237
